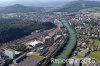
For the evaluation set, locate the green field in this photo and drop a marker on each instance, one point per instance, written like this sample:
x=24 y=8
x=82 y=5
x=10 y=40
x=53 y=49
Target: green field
x=94 y=9
x=79 y=56
x=95 y=55
x=97 y=43
x=84 y=64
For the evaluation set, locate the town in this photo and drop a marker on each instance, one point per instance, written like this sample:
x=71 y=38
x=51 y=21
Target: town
x=87 y=26
x=35 y=36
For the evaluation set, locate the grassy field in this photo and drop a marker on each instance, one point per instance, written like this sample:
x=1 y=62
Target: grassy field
x=84 y=64
x=95 y=55
x=92 y=10
x=79 y=56
x=96 y=14
x=97 y=43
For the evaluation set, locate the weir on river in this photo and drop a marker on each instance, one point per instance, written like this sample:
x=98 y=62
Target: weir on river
x=66 y=51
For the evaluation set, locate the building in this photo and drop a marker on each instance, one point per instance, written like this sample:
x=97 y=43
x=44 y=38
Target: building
x=34 y=43
x=20 y=58
x=73 y=62
x=33 y=59
x=10 y=53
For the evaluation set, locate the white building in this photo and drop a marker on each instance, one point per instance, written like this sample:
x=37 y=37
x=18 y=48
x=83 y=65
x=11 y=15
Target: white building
x=10 y=53
x=34 y=43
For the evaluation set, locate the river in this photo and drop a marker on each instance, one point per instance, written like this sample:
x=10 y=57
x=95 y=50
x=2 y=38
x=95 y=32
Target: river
x=66 y=51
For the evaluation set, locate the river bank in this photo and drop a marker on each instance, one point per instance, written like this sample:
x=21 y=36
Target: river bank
x=66 y=51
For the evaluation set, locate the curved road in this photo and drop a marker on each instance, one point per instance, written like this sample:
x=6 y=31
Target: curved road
x=69 y=46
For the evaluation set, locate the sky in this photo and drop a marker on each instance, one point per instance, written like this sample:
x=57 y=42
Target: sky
x=31 y=2
x=27 y=2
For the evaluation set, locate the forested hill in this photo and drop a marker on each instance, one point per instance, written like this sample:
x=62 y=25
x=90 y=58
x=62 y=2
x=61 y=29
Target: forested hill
x=11 y=29
x=21 y=8
x=77 y=5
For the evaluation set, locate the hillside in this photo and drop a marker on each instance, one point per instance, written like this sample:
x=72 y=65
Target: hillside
x=21 y=8
x=11 y=29
x=77 y=5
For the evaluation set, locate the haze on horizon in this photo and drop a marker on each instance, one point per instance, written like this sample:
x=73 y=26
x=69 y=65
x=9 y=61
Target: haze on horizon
x=35 y=2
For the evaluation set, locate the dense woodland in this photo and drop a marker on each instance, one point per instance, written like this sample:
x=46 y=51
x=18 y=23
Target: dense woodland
x=11 y=29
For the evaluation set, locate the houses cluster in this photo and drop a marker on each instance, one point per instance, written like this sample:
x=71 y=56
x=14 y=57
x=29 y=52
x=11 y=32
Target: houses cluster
x=41 y=17
x=86 y=24
x=87 y=27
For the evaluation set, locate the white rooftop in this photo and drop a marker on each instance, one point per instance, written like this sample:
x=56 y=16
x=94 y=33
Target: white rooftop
x=33 y=43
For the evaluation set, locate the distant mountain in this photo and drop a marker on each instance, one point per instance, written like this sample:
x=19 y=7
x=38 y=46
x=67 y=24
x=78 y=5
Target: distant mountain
x=77 y=5
x=21 y=8
x=1 y=8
